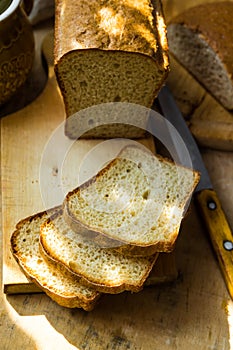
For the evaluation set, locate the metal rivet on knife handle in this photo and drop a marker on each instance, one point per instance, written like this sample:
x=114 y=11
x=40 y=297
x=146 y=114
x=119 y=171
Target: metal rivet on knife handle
x=228 y=245
x=211 y=205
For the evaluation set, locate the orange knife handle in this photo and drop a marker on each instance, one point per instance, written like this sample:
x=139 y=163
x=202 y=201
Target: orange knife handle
x=219 y=232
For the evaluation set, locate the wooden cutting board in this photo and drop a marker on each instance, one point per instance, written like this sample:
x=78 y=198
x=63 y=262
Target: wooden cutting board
x=24 y=136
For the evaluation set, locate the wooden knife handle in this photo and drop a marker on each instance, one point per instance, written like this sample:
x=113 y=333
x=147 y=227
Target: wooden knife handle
x=219 y=232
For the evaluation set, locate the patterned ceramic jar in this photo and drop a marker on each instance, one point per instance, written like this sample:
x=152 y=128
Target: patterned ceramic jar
x=17 y=47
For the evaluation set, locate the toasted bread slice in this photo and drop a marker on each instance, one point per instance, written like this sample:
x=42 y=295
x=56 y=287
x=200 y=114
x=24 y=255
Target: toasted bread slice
x=102 y=268
x=57 y=282
x=136 y=203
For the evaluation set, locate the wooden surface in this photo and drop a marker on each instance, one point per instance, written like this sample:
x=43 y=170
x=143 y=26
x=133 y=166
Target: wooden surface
x=195 y=312
x=24 y=137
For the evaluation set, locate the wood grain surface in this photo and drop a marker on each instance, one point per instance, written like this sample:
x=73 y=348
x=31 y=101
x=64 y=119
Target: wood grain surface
x=31 y=184
x=194 y=312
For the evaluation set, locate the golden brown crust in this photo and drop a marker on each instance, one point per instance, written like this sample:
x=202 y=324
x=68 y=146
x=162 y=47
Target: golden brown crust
x=72 y=302
x=65 y=298
x=68 y=301
x=112 y=26
x=213 y=21
x=21 y=223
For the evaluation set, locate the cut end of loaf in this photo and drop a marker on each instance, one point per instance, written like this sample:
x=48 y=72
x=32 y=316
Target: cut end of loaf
x=93 y=77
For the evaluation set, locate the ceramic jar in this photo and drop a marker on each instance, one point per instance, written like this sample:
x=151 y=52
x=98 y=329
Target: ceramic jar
x=17 y=47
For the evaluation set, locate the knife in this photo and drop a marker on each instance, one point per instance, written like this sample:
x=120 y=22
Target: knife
x=206 y=198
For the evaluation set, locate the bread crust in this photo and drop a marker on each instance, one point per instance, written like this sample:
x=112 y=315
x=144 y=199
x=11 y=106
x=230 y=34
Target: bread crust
x=64 y=298
x=80 y=26
x=104 y=239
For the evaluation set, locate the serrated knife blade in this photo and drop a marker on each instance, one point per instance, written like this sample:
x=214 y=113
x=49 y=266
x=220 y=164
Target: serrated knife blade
x=206 y=198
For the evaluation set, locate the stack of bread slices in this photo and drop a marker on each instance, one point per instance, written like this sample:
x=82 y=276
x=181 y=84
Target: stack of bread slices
x=106 y=236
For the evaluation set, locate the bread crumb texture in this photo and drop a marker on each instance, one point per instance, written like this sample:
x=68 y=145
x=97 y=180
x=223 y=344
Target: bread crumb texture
x=104 y=268
x=138 y=198
x=54 y=279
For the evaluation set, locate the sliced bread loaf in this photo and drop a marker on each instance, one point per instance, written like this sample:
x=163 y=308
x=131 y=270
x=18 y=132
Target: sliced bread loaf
x=137 y=201
x=201 y=39
x=103 y=268
x=57 y=282
x=109 y=51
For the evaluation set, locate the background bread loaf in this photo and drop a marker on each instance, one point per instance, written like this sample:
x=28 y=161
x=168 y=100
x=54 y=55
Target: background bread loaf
x=201 y=40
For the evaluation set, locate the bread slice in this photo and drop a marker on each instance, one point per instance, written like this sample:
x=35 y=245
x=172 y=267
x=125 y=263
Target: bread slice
x=102 y=268
x=201 y=40
x=137 y=201
x=57 y=282
x=109 y=51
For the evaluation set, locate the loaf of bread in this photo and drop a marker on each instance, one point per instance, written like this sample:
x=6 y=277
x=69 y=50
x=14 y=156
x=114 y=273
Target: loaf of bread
x=135 y=203
x=201 y=40
x=109 y=51
x=103 y=269
x=57 y=282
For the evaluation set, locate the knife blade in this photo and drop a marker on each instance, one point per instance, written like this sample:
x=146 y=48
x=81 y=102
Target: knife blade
x=205 y=196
